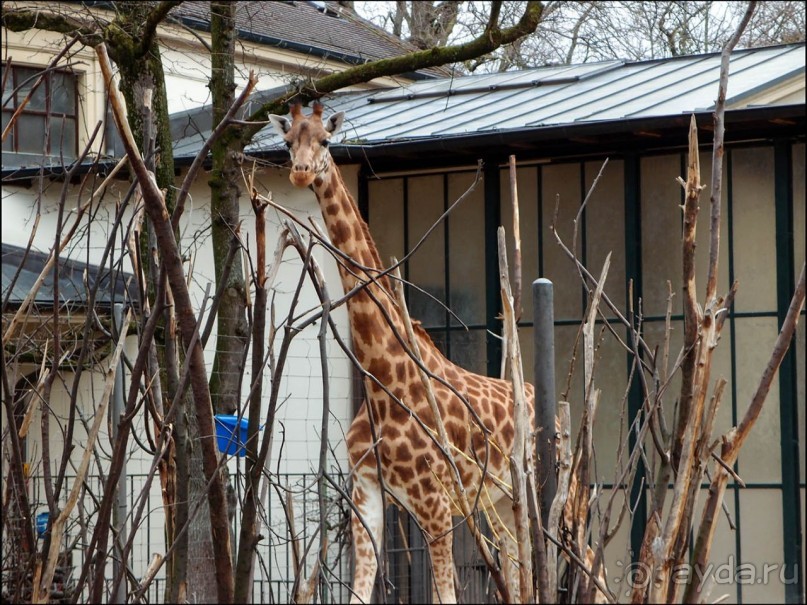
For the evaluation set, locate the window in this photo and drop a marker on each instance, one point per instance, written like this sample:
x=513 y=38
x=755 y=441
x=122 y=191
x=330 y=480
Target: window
x=446 y=268
x=48 y=124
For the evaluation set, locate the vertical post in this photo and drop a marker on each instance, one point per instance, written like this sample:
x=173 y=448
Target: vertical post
x=545 y=397
x=633 y=271
x=493 y=301
x=788 y=375
x=119 y=511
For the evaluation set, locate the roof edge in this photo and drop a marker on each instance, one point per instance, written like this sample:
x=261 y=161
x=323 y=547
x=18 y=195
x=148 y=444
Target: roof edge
x=358 y=152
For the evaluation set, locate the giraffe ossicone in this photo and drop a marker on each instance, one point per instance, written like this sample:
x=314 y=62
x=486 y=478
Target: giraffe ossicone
x=390 y=439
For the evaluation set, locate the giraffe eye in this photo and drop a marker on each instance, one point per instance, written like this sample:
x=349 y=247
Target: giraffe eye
x=325 y=143
x=288 y=144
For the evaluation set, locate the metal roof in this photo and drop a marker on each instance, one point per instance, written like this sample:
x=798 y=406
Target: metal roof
x=21 y=270
x=555 y=96
x=322 y=29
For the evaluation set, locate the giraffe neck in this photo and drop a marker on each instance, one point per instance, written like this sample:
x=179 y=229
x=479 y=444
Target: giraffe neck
x=371 y=309
x=346 y=227
x=374 y=314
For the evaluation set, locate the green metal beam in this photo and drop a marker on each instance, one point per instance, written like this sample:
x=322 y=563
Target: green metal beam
x=493 y=205
x=633 y=271
x=788 y=412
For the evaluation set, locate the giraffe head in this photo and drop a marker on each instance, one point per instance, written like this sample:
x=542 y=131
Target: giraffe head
x=307 y=139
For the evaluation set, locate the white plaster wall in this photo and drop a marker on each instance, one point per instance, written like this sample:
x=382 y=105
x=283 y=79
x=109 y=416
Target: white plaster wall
x=300 y=398
x=297 y=435
x=187 y=68
x=187 y=73
x=301 y=390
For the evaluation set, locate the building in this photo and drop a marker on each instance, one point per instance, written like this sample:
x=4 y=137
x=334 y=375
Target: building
x=417 y=148
x=412 y=149
x=279 y=41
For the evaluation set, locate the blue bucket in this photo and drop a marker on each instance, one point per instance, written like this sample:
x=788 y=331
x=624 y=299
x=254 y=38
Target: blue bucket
x=42 y=523
x=228 y=442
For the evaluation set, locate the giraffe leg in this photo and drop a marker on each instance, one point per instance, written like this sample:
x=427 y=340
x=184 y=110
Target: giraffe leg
x=369 y=501
x=438 y=526
x=504 y=522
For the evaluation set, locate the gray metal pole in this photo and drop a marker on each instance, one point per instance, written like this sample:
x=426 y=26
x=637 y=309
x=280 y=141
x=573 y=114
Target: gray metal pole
x=120 y=510
x=545 y=402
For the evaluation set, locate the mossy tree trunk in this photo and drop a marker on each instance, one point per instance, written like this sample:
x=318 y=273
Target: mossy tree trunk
x=142 y=77
x=233 y=331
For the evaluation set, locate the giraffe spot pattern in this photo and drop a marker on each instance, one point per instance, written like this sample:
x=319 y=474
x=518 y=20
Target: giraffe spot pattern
x=381 y=369
x=508 y=432
x=456 y=409
x=341 y=232
x=417 y=392
x=403 y=452
x=398 y=414
x=422 y=465
x=427 y=484
x=364 y=327
x=404 y=473
x=406 y=450
x=415 y=438
x=457 y=434
x=391 y=431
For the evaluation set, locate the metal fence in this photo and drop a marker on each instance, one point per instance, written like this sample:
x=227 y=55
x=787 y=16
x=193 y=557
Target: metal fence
x=407 y=575
x=275 y=565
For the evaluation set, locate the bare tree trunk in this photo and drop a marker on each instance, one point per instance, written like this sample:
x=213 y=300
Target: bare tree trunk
x=248 y=537
x=200 y=585
x=228 y=363
x=233 y=331
x=155 y=207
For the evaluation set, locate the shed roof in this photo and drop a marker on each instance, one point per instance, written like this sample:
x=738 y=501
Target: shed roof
x=601 y=104
x=21 y=270
x=568 y=96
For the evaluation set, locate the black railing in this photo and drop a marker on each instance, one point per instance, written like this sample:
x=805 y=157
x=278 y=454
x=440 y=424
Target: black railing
x=274 y=575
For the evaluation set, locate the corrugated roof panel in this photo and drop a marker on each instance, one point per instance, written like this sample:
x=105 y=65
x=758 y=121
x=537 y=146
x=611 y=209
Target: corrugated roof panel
x=501 y=111
x=455 y=114
x=550 y=96
x=493 y=82
x=557 y=103
x=450 y=85
x=660 y=83
x=744 y=76
x=427 y=116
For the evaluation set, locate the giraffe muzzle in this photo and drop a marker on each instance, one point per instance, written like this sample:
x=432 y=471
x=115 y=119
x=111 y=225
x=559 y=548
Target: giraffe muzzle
x=301 y=178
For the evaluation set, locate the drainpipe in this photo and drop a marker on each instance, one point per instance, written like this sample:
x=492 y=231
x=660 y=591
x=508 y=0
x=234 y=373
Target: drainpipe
x=119 y=511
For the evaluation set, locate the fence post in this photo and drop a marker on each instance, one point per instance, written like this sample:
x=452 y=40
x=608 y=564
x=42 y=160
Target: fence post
x=545 y=402
x=119 y=512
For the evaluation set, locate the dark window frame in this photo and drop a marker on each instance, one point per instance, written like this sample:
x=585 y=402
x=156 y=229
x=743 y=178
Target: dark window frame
x=791 y=485
x=55 y=148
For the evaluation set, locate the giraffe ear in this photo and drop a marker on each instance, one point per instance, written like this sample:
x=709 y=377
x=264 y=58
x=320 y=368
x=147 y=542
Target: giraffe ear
x=280 y=124
x=334 y=123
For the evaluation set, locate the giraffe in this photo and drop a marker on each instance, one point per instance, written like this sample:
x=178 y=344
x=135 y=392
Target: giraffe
x=386 y=440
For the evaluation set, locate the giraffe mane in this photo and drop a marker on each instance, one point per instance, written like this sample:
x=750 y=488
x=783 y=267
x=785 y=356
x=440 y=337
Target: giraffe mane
x=420 y=331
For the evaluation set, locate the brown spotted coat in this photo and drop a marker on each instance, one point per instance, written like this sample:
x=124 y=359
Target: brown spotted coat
x=387 y=440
